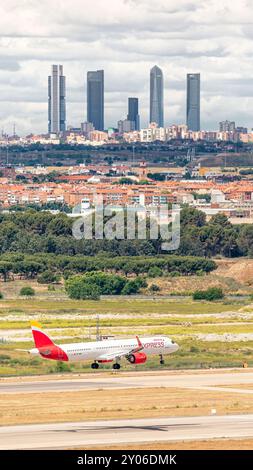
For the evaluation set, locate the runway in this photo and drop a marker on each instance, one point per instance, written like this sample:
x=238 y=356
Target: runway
x=202 y=380
x=66 y=435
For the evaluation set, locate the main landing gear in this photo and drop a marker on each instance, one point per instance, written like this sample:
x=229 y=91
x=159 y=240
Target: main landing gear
x=94 y=365
x=161 y=359
x=116 y=366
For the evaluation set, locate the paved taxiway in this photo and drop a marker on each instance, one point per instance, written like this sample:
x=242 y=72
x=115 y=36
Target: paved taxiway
x=65 y=435
x=205 y=380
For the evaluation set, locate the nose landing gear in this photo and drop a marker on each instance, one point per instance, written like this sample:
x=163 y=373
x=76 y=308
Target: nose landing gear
x=94 y=365
x=161 y=359
x=116 y=366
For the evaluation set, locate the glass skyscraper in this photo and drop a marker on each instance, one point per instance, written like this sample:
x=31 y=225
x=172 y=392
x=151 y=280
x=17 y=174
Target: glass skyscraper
x=156 y=96
x=133 y=112
x=95 y=99
x=56 y=100
x=193 y=102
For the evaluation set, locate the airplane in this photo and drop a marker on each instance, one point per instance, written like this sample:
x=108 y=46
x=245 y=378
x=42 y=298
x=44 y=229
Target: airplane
x=134 y=350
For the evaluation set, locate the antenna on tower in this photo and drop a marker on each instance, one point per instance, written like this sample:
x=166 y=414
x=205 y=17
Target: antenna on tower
x=14 y=129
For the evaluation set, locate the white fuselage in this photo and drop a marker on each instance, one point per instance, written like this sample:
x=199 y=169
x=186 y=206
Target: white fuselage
x=99 y=350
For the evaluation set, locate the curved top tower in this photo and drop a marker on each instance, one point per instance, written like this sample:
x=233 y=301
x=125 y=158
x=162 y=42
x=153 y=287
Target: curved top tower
x=156 y=96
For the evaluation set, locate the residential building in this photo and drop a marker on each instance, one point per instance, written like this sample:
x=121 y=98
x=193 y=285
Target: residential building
x=125 y=126
x=227 y=126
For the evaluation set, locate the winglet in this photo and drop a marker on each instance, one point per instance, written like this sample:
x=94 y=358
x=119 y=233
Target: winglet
x=140 y=345
x=139 y=342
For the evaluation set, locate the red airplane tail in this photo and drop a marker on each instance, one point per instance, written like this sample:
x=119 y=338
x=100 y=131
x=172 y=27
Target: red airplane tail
x=41 y=339
x=47 y=348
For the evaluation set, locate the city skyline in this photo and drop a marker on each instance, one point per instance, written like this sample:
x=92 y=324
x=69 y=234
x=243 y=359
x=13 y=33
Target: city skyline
x=214 y=39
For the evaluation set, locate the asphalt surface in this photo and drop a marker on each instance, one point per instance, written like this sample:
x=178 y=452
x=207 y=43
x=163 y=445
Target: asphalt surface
x=66 y=435
x=204 y=381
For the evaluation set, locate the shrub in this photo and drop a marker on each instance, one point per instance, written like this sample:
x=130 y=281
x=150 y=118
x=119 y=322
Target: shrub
x=212 y=293
x=62 y=367
x=1 y=295
x=154 y=271
x=154 y=288
x=50 y=288
x=29 y=291
x=194 y=349
x=4 y=357
x=131 y=287
x=174 y=274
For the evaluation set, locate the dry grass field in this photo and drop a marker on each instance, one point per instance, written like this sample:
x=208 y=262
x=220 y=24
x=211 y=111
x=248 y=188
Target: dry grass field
x=211 y=444
x=49 y=407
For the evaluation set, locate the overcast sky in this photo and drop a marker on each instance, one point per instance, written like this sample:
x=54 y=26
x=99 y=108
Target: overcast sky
x=126 y=38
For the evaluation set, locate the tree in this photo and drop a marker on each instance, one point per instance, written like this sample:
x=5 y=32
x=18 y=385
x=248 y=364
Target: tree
x=220 y=219
x=5 y=269
x=245 y=240
x=192 y=216
x=92 y=285
x=48 y=277
x=77 y=288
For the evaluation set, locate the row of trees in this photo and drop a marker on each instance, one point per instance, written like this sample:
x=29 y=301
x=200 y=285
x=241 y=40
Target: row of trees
x=34 y=231
x=48 y=267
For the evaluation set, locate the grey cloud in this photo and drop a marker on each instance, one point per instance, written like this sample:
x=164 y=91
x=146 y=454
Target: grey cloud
x=9 y=64
x=126 y=38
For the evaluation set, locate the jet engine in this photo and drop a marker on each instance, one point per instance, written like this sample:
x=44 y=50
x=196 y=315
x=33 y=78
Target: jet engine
x=137 y=358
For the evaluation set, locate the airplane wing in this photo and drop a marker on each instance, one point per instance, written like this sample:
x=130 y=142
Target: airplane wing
x=120 y=353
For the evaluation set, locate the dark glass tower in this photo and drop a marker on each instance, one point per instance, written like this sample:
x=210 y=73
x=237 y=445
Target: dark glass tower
x=156 y=96
x=193 y=102
x=95 y=99
x=133 y=112
x=56 y=100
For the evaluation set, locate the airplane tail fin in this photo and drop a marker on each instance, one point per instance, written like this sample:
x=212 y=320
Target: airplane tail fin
x=41 y=339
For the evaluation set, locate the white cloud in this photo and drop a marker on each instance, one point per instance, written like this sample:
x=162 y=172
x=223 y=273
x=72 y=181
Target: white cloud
x=126 y=38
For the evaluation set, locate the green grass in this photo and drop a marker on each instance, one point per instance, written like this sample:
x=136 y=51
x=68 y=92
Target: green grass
x=192 y=354
x=158 y=305
x=172 y=322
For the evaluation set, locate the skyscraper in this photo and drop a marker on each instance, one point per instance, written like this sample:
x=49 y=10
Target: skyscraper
x=95 y=99
x=156 y=96
x=193 y=102
x=56 y=100
x=133 y=113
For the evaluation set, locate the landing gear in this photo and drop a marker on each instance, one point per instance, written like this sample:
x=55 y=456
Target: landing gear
x=94 y=365
x=161 y=359
x=116 y=366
